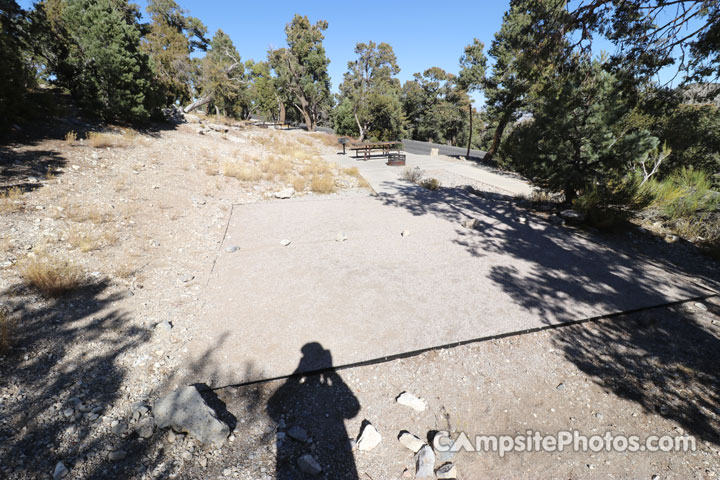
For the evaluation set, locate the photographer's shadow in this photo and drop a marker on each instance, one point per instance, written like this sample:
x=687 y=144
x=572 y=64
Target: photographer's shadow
x=310 y=412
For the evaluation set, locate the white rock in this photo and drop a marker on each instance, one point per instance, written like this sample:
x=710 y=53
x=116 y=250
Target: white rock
x=308 y=464
x=410 y=400
x=60 y=471
x=369 y=438
x=341 y=237
x=285 y=193
x=285 y=242
x=425 y=463
x=410 y=441
x=186 y=411
x=405 y=233
x=446 y=471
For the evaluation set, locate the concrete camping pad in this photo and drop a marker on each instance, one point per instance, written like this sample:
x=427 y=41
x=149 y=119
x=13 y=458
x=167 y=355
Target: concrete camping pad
x=380 y=293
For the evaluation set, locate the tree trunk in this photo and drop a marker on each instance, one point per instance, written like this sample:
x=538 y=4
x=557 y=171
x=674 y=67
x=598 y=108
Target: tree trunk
x=198 y=103
x=360 y=128
x=281 y=115
x=498 y=136
x=469 y=131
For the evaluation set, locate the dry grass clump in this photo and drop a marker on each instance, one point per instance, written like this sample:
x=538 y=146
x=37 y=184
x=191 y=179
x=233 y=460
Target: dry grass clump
x=51 y=275
x=10 y=200
x=276 y=165
x=91 y=215
x=70 y=137
x=316 y=166
x=323 y=184
x=244 y=173
x=413 y=175
x=105 y=140
x=298 y=183
x=6 y=329
x=354 y=172
x=329 y=139
x=89 y=241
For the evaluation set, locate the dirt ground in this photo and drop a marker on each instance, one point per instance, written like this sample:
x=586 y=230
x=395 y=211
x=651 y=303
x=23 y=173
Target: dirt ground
x=143 y=220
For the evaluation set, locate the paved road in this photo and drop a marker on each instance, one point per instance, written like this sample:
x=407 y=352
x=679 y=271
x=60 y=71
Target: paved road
x=423 y=148
x=389 y=180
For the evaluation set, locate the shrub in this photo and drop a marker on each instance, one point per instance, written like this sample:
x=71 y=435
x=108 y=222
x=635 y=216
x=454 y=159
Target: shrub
x=10 y=200
x=412 y=174
x=50 y=275
x=244 y=173
x=70 y=137
x=682 y=194
x=323 y=184
x=430 y=183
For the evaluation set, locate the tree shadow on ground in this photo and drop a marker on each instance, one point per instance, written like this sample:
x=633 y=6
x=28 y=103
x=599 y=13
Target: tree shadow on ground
x=664 y=359
x=19 y=168
x=314 y=405
x=669 y=366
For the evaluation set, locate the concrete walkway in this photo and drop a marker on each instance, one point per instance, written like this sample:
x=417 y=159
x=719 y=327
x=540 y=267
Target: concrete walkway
x=388 y=180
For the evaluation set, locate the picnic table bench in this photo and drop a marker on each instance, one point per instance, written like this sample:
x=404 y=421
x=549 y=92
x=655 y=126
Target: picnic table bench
x=367 y=147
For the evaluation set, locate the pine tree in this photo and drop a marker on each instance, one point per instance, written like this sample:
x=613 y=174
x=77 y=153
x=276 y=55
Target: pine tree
x=16 y=76
x=93 y=49
x=372 y=93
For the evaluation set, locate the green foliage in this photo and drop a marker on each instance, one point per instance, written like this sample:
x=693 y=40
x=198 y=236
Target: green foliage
x=222 y=79
x=372 y=94
x=576 y=138
x=170 y=39
x=684 y=193
x=436 y=107
x=16 y=76
x=93 y=49
x=693 y=133
x=301 y=69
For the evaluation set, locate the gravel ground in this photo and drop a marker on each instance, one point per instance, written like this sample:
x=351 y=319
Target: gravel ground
x=78 y=384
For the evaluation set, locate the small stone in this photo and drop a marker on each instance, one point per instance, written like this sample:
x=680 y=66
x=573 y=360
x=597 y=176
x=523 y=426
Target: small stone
x=285 y=242
x=146 y=427
x=446 y=471
x=298 y=433
x=425 y=463
x=164 y=325
x=285 y=193
x=470 y=223
x=671 y=238
x=572 y=216
x=117 y=455
x=186 y=455
x=701 y=306
x=227 y=472
x=410 y=441
x=655 y=477
x=555 y=220
x=561 y=386
x=203 y=462
x=68 y=412
x=341 y=237
x=405 y=233
x=232 y=249
x=410 y=400
x=171 y=437
x=60 y=471
x=369 y=438
x=187 y=278
x=308 y=464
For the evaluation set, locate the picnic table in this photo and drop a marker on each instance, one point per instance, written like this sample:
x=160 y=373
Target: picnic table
x=367 y=147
